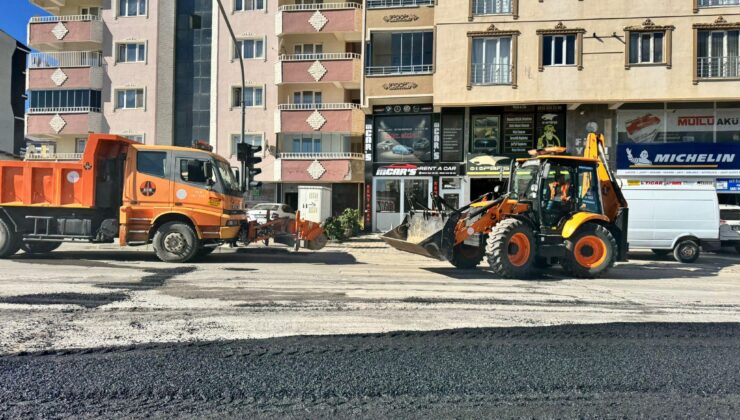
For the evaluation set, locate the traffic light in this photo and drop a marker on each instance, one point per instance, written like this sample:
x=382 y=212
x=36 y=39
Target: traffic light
x=245 y=153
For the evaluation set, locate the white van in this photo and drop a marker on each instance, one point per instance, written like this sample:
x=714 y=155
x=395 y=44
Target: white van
x=672 y=217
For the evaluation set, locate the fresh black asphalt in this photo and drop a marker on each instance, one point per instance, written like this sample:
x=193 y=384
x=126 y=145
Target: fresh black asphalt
x=583 y=371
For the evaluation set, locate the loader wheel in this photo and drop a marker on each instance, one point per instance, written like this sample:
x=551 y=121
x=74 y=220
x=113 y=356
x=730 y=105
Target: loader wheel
x=467 y=257
x=10 y=242
x=176 y=242
x=593 y=251
x=39 y=247
x=511 y=249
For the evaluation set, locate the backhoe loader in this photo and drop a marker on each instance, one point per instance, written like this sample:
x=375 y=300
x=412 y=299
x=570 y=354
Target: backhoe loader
x=558 y=209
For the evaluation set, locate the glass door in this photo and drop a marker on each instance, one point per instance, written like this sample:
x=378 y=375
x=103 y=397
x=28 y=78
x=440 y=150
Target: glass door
x=393 y=197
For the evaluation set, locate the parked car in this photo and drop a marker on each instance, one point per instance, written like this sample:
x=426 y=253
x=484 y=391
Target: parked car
x=402 y=150
x=386 y=145
x=259 y=212
x=672 y=219
x=729 y=228
x=421 y=144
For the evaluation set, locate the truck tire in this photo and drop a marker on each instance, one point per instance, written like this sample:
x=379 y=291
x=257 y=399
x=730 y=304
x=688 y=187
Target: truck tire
x=593 y=251
x=661 y=252
x=511 y=249
x=176 y=242
x=39 y=247
x=686 y=251
x=467 y=257
x=10 y=242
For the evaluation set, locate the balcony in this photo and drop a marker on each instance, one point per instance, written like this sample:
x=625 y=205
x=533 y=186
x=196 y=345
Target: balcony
x=53 y=123
x=718 y=68
x=335 y=18
x=321 y=167
x=79 y=32
x=71 y=70
x=327 y=118
x=342 y=69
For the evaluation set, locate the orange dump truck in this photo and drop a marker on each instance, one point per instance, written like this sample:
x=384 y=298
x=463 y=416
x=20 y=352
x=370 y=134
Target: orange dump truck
x=184 y=201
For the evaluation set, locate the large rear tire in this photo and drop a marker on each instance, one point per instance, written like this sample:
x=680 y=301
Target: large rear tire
x=39 y=247
x=176 y=242
x=511 y=249
x=467 y=256
x=10 y=241
x=593 y=251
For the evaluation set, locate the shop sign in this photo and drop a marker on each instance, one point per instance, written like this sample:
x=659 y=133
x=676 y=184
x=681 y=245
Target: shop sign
x=486 y=165
x=679 y=159
x=728 y=185
x=368 y=142
x=436 y=141
x=368 y=205
x=680 y=125
x=453 y=124
x=518 y=134
x=403 y=109
x=408 y=169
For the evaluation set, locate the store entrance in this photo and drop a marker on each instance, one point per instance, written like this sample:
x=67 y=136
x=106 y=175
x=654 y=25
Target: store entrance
x=393 y=197
x=480 y=186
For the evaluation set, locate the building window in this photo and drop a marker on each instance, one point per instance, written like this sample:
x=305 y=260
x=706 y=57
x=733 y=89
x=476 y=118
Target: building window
x=139 y=138
x=243 y=5
x=307 y=97
x=308 y=49
x=718 y=3
x=718 y=54
x=253 y=97
x=130 y=99
x=400 y=53
x=90 y=11
x=131 y=53
x=491 y=64
x=250 y=48
x=80 y=145
x=318 y=143
x=392 y=4
x=251 y=139
x=72 y=100
x=492 y=7
x=559 y=50
x=486 y=134
x=131 y=7
x=646 y=47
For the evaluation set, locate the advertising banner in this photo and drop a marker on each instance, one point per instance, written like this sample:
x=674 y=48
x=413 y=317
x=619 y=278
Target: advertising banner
x=679 y=159
x=678 y=126
x=728 y=185
x=403 y=138
x=409 y=169
x=478 y=165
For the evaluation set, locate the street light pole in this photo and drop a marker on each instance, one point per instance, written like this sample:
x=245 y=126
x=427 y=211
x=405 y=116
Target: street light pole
x=241 y=100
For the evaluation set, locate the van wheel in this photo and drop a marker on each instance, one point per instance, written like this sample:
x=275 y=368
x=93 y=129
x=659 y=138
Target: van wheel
x=687 y=251
x=593 y=251
x=661 y=252
x=511 y=249
x=10 y=242
x=39 y=247
x=176 y=242
x=467 y=256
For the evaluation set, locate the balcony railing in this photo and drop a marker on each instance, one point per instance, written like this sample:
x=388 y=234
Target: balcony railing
x=305 y=107
x=72 y=18
x=393 y=70
x=47 y=60
x=52 y=156
x=320 y=155
x=718 y=3
x=718 y=67
x=490 y=74
x=318 y=6
x=321 y=56
x=393 y=4
x=63 y=110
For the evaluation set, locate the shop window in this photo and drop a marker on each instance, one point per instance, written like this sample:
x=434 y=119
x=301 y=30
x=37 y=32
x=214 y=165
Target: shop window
x=486 y=134
x=388 y=196
x=406 y=138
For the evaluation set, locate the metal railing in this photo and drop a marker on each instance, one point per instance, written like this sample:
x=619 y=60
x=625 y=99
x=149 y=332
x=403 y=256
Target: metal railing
x=70 y=18
x=45 y=60
x=393 y=4
x=318 y=6
x=390 y=70
x=718 y=3
x=320 y=155
x=490 y=74
x=304 y=107
x=319 y=56
x=718 y=67
x=64 y=110
x=492 y=7
x=52 y=156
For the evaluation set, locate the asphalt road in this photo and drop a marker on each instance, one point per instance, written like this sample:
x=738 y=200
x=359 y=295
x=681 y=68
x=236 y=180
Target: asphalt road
x=604 y=371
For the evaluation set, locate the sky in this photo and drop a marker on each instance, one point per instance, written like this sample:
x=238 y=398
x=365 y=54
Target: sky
x=15 y=15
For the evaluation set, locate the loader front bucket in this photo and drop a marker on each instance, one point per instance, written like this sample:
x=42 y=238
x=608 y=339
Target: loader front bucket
x=428 y=233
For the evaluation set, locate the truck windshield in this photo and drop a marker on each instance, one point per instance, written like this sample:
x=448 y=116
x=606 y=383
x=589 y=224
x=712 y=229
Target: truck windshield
x=524 y=179
x=228 y=177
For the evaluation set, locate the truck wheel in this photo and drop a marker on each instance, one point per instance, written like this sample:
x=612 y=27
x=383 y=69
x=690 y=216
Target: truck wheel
x=39 y=247
x=511 y=249
x=176 y=242
x=593 y=251
x=467 y=256
x=661 y=252
x=687 y=251
x=9 y=241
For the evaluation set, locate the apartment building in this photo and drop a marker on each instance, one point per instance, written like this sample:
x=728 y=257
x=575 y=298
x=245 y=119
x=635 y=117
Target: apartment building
x=660 y=78
x=12 y=95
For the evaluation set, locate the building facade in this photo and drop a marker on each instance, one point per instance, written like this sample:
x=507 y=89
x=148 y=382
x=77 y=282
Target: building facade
x=659 y=78
x=13 y=93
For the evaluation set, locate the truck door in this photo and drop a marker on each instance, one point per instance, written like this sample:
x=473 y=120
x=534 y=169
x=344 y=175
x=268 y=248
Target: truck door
x=197 y=191
x=149 y=193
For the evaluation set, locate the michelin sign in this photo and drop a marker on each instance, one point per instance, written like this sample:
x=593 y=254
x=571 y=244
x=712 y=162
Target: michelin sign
x=709 y=159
